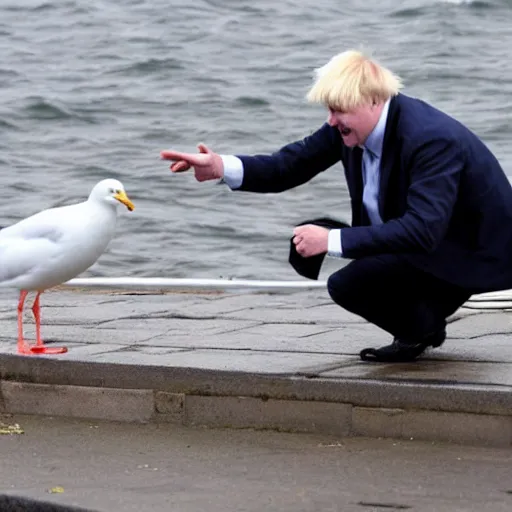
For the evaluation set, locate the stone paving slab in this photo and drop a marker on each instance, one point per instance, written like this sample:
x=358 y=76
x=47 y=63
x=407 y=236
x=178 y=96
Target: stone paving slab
x=482 y=324
x=293 y=346
x=450 y=372
x=222 y=360
x=495 y=348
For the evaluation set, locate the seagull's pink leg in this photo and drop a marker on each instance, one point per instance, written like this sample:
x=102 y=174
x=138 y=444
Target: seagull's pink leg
x=36 y=309
x=22 y=346
x=40 y=347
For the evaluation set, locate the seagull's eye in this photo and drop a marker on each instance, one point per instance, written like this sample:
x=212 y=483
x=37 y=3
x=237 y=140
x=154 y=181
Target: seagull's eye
x=111 y=190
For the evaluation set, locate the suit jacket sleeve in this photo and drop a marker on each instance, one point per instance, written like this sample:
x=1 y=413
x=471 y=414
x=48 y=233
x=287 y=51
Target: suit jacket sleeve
x=435 y=168
x=293 y=164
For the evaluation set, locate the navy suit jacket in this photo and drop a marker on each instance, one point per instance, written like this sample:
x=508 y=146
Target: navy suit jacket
x=444 y=198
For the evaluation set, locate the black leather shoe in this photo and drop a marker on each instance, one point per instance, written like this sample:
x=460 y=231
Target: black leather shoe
x=401 y=351
x=437 y=339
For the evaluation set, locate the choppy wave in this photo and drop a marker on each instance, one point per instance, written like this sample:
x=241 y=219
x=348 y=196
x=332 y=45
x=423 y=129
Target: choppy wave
x=151 y=65
x=251 y=101
x=473 y=3
x=42 y=109
x=6 y=124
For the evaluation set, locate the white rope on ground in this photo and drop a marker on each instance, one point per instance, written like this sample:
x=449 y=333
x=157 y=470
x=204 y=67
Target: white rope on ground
x=162 y=283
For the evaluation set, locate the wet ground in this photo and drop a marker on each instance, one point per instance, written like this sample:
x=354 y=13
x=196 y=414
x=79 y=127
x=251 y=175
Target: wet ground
x=106 y=466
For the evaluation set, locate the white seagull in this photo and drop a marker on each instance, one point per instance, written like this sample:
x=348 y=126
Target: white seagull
x=54 y=246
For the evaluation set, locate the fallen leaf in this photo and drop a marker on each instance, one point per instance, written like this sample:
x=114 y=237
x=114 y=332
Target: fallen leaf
x=331 y=445
x=10 y=429
x=56 y=490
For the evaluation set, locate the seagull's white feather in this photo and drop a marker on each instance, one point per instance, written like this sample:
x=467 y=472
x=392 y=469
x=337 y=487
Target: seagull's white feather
x=41 y=224
x=55 y=245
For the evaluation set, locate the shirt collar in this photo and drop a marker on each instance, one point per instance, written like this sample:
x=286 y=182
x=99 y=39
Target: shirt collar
x=375 y=140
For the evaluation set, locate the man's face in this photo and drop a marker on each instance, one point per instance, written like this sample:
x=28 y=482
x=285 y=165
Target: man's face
x=355 y=125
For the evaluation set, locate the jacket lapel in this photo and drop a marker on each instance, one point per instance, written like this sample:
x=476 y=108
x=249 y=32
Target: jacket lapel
x=390 y=151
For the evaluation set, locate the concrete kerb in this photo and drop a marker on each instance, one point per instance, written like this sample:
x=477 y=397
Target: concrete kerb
x=474 y=414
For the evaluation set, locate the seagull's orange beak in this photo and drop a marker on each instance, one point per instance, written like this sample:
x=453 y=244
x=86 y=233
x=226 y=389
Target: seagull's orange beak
x=123 y=198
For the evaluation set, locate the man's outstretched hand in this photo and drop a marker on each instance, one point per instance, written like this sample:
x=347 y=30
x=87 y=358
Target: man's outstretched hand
x=207 y=165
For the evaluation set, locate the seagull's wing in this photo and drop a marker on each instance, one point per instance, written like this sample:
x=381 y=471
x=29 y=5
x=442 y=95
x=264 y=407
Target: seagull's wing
x=30 y=243
x=46 y=224
x=20 y=257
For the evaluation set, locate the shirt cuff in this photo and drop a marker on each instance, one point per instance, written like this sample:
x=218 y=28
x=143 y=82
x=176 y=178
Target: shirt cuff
x=233 y=171
x=334 y=247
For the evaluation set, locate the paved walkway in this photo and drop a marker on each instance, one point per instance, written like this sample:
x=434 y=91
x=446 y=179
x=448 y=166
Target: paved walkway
x=287 y=361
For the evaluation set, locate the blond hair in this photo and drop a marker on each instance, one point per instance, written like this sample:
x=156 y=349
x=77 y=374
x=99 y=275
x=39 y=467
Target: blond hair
x=351 y=79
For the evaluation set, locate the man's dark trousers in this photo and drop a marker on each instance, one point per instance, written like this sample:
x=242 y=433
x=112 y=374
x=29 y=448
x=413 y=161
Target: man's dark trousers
x=389 y=292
